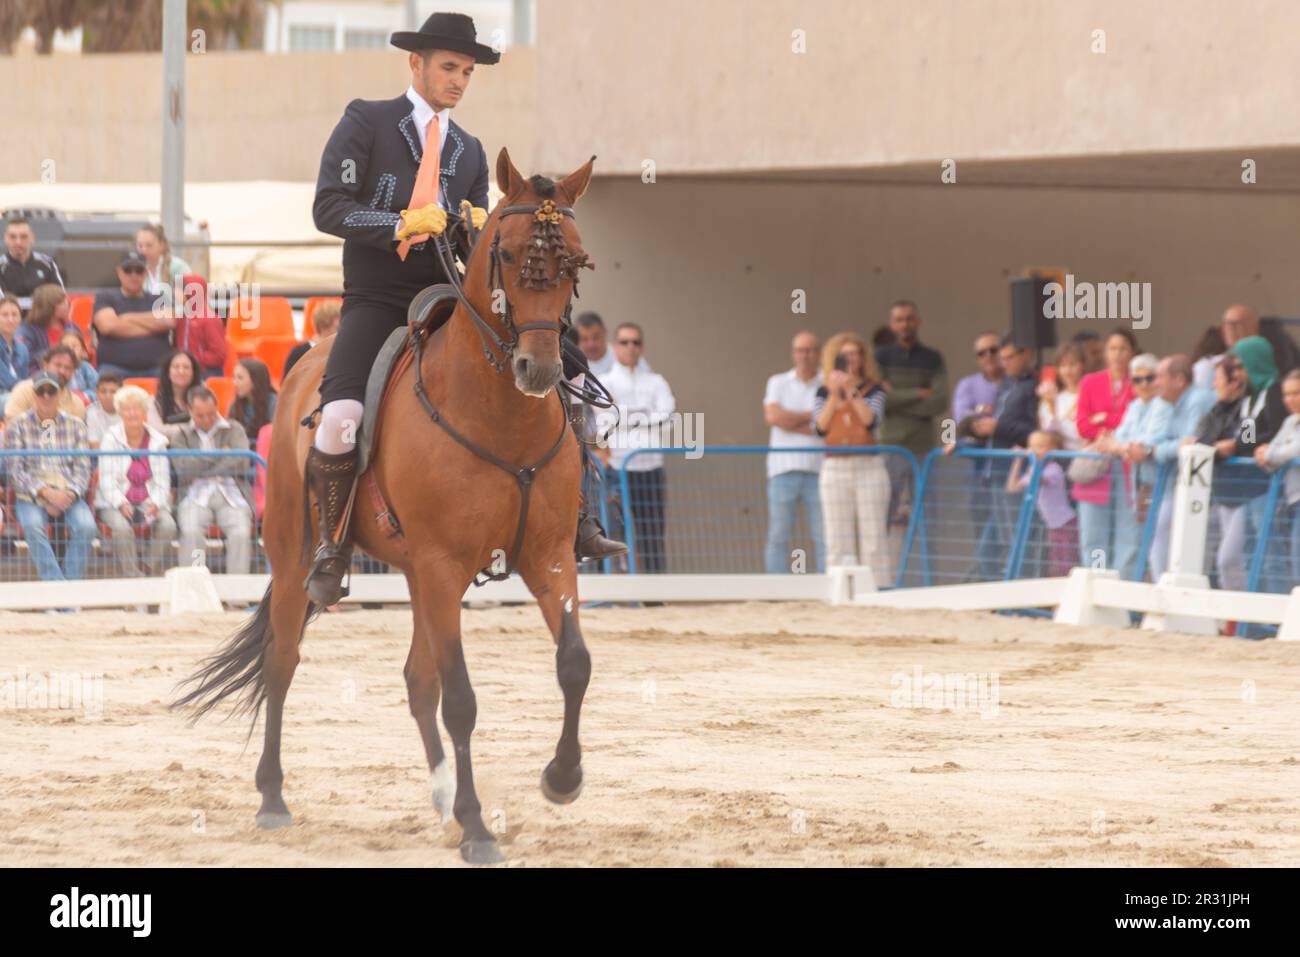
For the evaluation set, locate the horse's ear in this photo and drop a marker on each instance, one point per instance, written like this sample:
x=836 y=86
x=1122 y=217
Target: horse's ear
x=508 y=178
x=576 y=183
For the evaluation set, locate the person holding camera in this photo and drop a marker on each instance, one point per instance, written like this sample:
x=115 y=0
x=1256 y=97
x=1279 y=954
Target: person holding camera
x=135 y=490
x=854 y=484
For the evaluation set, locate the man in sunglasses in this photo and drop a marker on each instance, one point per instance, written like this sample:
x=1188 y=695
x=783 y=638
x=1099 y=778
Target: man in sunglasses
x=132 y=329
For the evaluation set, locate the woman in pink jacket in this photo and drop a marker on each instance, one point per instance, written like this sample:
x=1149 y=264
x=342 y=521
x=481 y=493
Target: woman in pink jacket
x=1108 y=525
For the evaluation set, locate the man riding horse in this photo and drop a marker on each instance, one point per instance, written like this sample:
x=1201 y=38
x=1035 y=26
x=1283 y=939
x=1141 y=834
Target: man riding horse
x=391 y=171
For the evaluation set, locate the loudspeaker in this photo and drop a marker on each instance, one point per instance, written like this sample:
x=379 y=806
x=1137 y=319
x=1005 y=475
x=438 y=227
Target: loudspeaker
x=1030 y=326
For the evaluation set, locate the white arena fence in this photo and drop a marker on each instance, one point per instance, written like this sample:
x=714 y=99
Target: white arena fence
x=952 y=537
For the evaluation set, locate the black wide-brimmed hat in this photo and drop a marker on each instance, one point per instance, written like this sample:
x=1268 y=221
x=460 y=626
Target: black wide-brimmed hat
x=446 y=31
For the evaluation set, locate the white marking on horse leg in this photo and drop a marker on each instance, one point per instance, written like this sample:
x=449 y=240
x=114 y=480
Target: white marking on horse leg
x=444 y=790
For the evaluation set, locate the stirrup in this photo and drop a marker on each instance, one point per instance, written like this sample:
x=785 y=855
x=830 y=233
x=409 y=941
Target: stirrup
x=592 y=543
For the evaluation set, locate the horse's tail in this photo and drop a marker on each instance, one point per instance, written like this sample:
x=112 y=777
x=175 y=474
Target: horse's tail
x=235 y=669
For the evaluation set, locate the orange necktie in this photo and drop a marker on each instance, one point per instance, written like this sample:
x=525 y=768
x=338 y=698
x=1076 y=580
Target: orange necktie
x=426 y=183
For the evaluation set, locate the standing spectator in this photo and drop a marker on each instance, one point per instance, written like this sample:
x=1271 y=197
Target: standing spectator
x=1242 y=322
x=1014 y=417
x=1145 y=420
x=645 y=405
x=1221 y=427
x=215 y=488
x=916 y=388
x=48 y=487
x=102 y=415
x=1059 y=397
x=1209 y=352
x=86 y=376
x=161 y=267
x=1188 y=404
x=975 y=393
x=1108 y=527
x=325 y=320
x=22 y=268
x=1053 y=502
x=854 y=486
x=1093 y=349
x=13 y=351
x=591 y=340
x=47 y=321
x=133 y=329
x=199 y=331
x=792 y=476
x=254 y=403
x=178 y=374
x=61 y=364
x=1284 y=448
x=135 y=491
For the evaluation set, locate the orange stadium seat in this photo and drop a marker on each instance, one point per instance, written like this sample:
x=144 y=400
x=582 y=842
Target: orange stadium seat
x=81 y=306
x=148 y=383
x=273 y=350
x=224 y=389
x=267 y=316
x=309 y=330
x=232 y=359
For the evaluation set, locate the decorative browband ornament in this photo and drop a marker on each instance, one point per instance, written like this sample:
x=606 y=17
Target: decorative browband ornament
x=548 y=237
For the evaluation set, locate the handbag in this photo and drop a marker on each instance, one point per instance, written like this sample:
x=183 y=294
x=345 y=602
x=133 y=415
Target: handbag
x=846 y=429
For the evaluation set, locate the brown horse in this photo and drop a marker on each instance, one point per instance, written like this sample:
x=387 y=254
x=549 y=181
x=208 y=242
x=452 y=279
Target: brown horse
x=458 y=510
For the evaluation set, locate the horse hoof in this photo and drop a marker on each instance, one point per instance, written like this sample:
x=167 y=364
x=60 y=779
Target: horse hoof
x=270 y=820
x=556 y=796
x=481 y=852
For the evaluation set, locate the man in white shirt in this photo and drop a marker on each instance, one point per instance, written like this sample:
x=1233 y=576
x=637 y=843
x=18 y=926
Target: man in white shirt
x=215 y=493
x=101 y=415
x=645 y=407
x=792 y=476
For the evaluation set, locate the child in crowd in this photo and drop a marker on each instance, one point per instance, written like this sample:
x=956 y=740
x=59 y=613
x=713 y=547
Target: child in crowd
x=86 y=377
x=1053 y=503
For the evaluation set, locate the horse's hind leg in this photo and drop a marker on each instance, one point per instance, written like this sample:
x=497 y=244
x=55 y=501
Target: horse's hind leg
x=554 y=584
x=423 y=688
x=437 y=611
x=289 y=609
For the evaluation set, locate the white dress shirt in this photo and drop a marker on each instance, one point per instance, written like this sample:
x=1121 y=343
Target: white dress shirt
x=645 y=406
x=421 y=114
x=793 y=394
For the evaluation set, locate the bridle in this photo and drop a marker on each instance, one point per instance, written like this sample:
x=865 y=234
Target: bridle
x=547 y=237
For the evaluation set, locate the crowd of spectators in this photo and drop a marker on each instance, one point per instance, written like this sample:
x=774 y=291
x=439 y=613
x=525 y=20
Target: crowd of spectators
x=1238 y=391
x=133 y=380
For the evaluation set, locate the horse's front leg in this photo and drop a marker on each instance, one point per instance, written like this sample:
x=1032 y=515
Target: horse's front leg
x=554 y=584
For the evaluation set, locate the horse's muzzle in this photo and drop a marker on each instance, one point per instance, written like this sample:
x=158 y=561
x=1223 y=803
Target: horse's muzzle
x=536 y=377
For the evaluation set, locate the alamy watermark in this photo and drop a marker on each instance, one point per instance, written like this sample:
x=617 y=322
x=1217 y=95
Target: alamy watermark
x=23 y=690
x=953 y=691
x=1128 y=301
x=620 y=428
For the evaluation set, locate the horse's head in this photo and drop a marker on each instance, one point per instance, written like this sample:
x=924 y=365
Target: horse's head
x=537 y=251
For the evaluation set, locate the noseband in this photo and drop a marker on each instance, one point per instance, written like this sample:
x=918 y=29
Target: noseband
x=547 y=238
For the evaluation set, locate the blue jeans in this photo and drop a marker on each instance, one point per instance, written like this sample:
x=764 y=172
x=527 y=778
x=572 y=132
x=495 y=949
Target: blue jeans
x=1111 y=529
x=784 y=493
x=81 y=531
x=995 y=511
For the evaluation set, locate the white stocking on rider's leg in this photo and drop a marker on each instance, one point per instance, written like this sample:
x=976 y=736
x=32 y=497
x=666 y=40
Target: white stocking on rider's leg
x=340 y=421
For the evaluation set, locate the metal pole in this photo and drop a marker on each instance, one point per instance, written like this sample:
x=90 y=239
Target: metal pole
x=522 y=26
x=174 y=37
x=410 y=16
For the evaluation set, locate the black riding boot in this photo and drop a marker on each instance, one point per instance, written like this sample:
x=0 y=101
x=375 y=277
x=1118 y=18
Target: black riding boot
x=331 y=477
x=592 y=545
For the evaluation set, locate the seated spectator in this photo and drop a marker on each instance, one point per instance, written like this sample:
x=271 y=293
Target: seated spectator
x=22 y=268
x=61 y=363
x=48 y=487
x=102 y=413
x=178 y=374
x=254 y=403
x=131 y=336
x=1207 y=354
x=86 y=377
x=1278 y=453
x=215 y=488
x=1053 y=502
x=13 y=351
x=199 y=331
x=135 y=491
x=326 y=322
x=1188 y=403
x=47 y=320
x=161 y=267
x=1059 y=396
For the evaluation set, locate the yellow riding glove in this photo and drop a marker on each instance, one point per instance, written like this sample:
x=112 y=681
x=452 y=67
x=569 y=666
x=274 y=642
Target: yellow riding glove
x=431 y=219
x=472 y=214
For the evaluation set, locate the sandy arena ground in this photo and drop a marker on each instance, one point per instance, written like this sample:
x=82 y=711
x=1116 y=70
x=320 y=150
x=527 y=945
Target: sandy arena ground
x=756 y=734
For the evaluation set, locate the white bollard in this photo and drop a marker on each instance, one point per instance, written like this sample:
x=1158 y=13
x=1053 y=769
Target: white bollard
x=190 y=589
x=848 y=581
x=1289 y=630
x=1077 y=607
x=1191 y=523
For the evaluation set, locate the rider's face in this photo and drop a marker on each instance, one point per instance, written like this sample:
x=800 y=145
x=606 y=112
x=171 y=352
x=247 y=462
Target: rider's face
x=441 y=77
